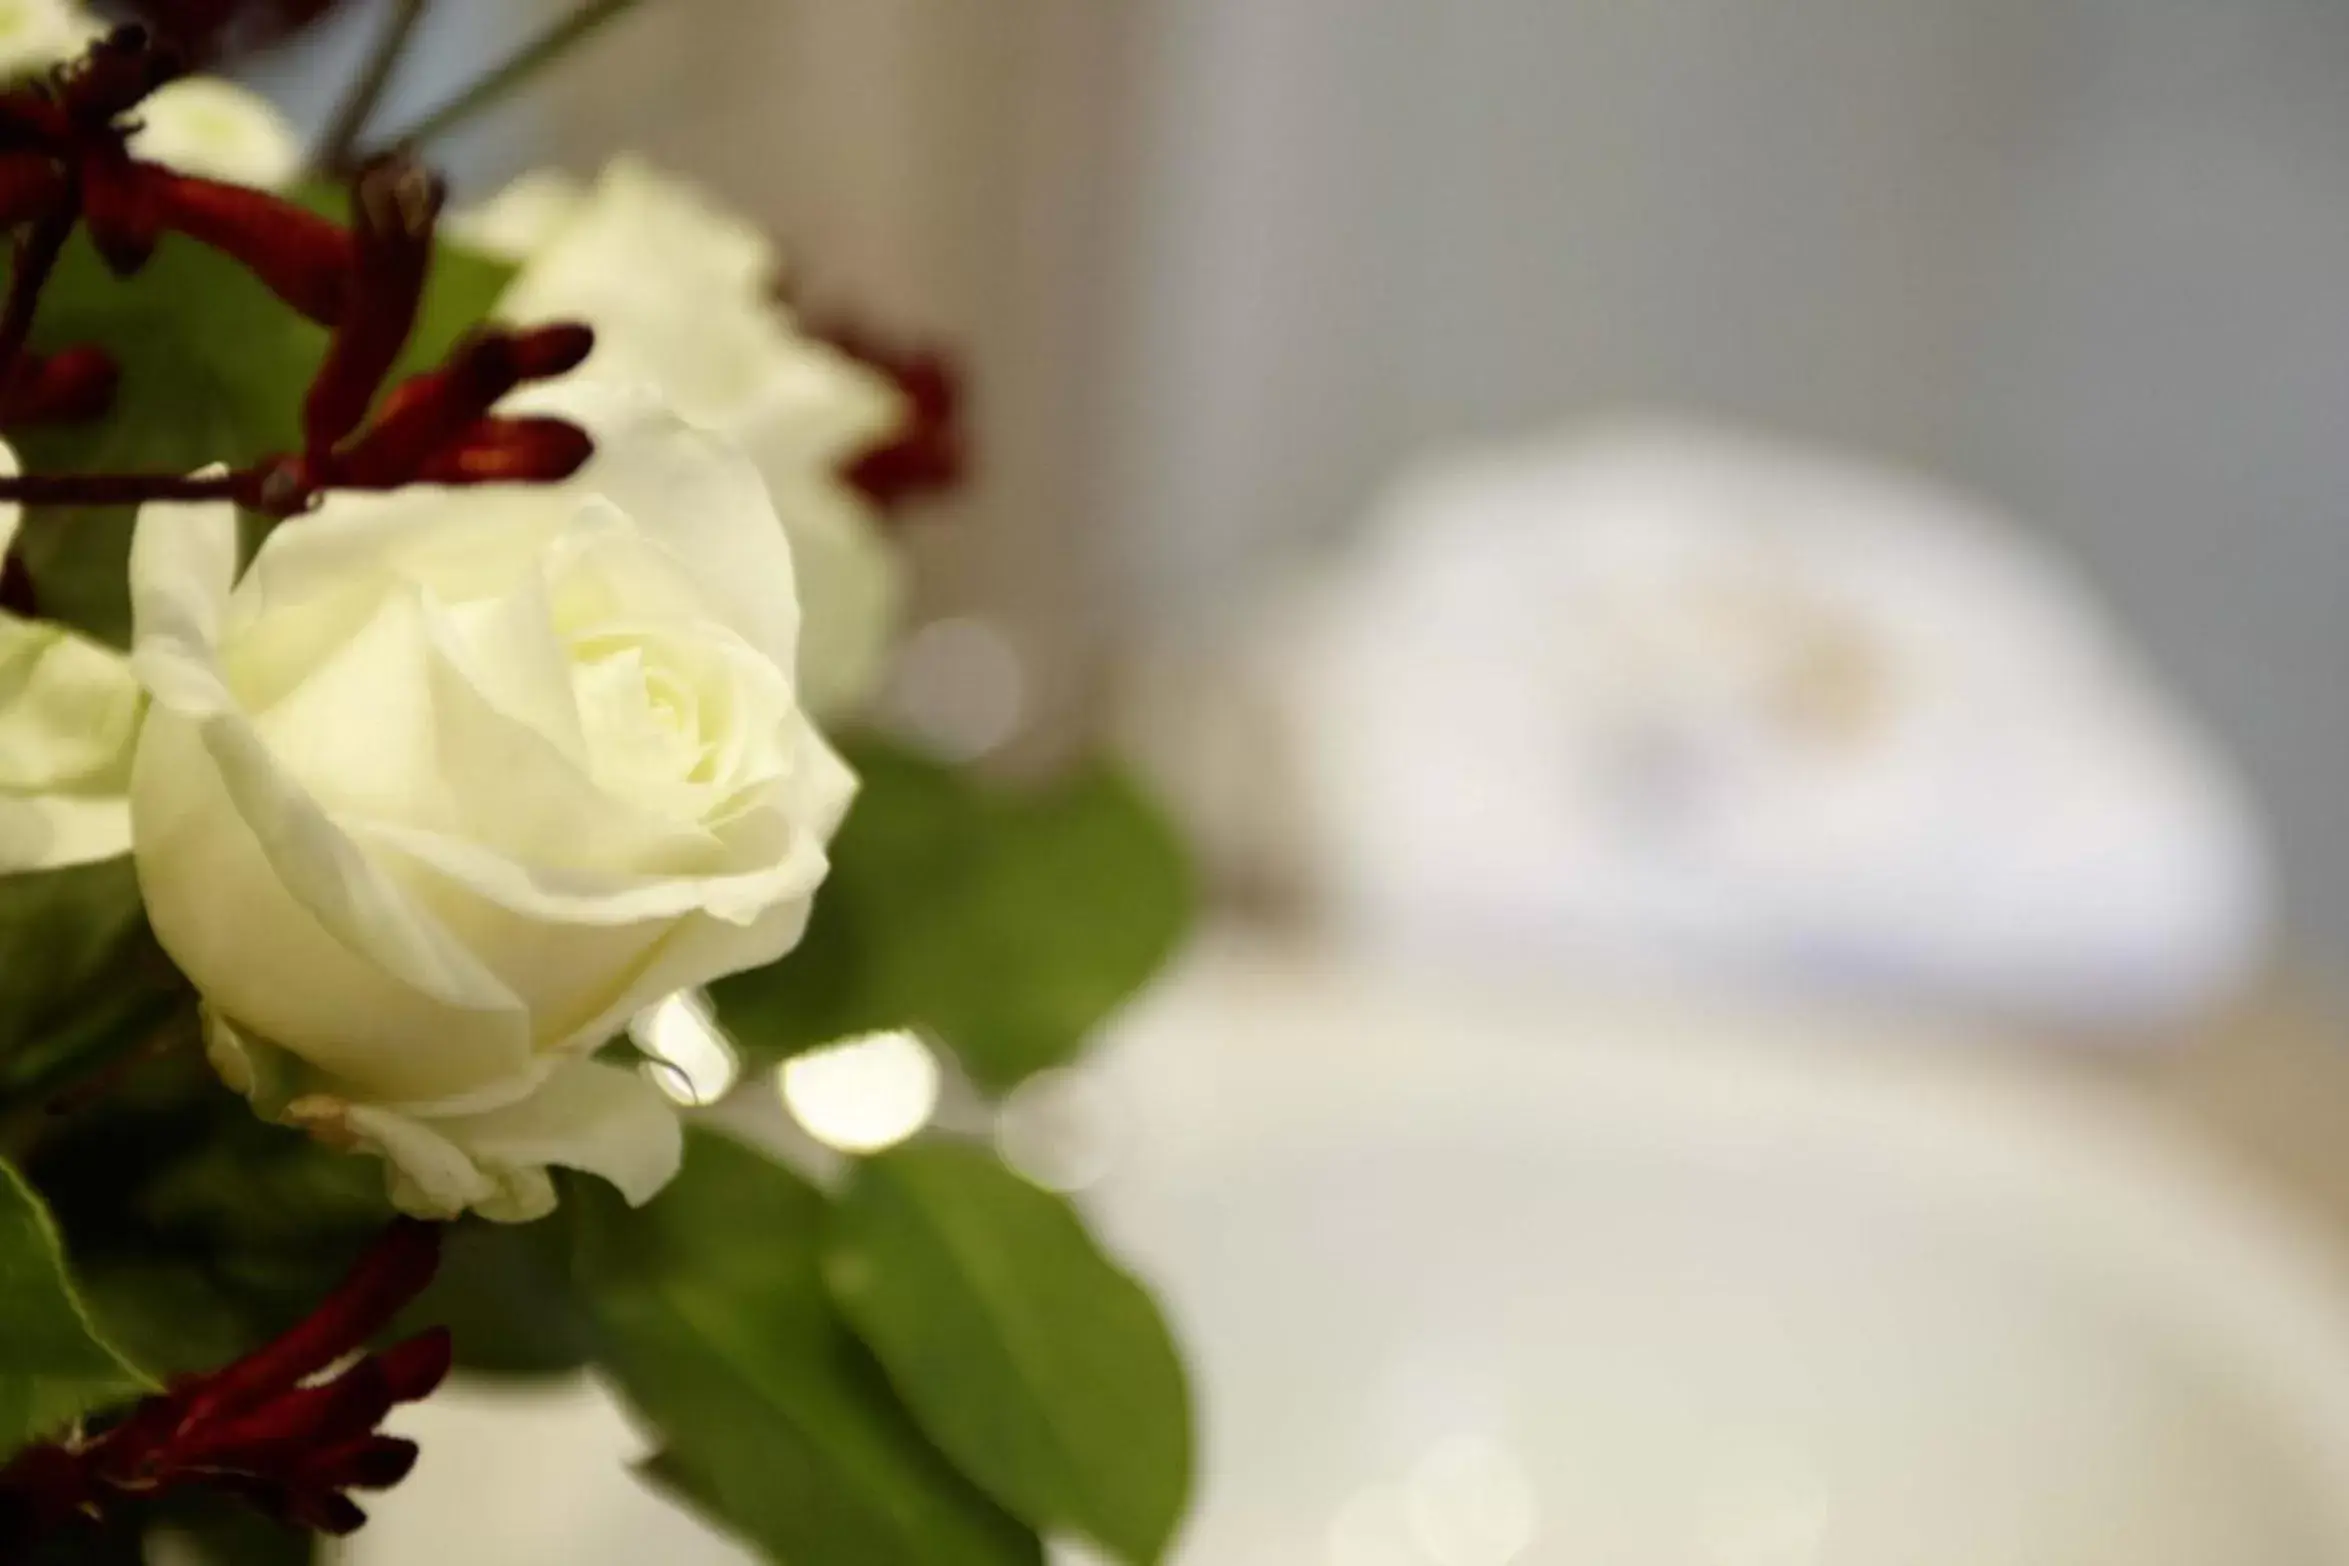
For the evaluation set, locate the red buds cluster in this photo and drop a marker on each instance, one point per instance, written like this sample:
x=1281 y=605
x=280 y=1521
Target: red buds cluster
x=64 y=160
x=930 y=452
x=281 y=1428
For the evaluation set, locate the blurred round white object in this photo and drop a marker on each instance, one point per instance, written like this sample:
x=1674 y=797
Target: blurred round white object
x=1473 y=1279
x=1687 y=699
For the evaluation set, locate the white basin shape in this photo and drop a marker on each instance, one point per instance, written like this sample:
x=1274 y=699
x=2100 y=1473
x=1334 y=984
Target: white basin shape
x=1621 y=1282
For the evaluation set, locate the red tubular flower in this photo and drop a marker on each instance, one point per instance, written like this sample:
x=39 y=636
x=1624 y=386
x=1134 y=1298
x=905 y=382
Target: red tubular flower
x=438 y=422
x=306 y=260
x=395 y=202
x=31 y=184
x=267 y=1428
x=930 y=454
x=510 y=451
x=113 y=76
x=65 y=387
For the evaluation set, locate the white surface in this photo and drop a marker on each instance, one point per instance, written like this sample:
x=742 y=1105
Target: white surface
x=1628 y=1283
x=1714 y=1290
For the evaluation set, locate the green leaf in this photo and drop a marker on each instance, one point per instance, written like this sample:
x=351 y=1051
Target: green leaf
x=1042 y=1369
x=214 y=369
x=196 y=1229
x=711 y=1315
x=219 y=1530
x=505 y=1293
x=53 y=1366
x=1010 y=924
x=81 y=979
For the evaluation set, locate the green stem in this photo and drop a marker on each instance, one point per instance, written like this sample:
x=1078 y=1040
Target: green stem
x=367 y=88
x=525 y=63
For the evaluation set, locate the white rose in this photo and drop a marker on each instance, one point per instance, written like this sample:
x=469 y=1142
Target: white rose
x=454 y=781
x=206 y=126
x=198 y=125
x=69 y=711
x=37 y=34
x=680 y=293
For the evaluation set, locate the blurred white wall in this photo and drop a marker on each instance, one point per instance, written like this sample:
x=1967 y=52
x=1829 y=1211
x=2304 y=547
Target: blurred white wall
x=2088 y=257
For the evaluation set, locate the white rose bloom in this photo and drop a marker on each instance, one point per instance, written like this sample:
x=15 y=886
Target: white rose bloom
x=198 y=125
x=523 y=218
x=680 y=293
x=454 y=781
x=37 y=34
x=69 y=712
x=206 y=126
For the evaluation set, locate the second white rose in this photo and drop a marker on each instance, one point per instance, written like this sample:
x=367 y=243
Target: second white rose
x=681 y=293
x=453 y=782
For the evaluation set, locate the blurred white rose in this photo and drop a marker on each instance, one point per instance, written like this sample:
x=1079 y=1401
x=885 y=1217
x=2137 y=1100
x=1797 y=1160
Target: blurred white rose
x=37 y=34
x=1695 y=701
x=198 y=125
x=454 y=781
x=681 y=295
x=214 y=128
x=69 y=713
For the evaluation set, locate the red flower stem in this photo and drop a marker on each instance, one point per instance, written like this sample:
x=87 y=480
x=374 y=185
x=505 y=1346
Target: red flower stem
x=126 y=489
x=36 y=257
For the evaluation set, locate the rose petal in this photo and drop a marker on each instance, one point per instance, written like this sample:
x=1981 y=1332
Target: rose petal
x=11 y=514
x=695 y=495
x=53 y=831
x=254 y=889
x=604 y=1120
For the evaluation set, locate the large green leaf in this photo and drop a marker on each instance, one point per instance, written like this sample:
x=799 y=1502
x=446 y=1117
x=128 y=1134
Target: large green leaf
x=214 y=368
x=196 y=1229
x=220 y=1530
x=81 y=979
x=53 y=1365
x=505 y=1293
x=1044 y=1370
x=1008 y=923
x=711 y=1315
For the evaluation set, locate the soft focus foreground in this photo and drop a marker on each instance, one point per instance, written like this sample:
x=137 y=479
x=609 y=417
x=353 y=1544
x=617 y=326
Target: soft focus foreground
x=450 y=827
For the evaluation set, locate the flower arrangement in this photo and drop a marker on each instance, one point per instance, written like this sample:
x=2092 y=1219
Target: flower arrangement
x=432 y=646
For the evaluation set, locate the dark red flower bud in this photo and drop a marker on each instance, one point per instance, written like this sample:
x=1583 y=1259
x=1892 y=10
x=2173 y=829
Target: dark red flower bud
x=263 y=1429
x=65 y=387
x=304 y=259
x=32 y=121
x=115 y=75
x=370 y=1463
x=31 y=184
x=930 y=453
x=543 y=352
x=510 y=451
x=436 y=428
x=393 y=1272
x=395 y=202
